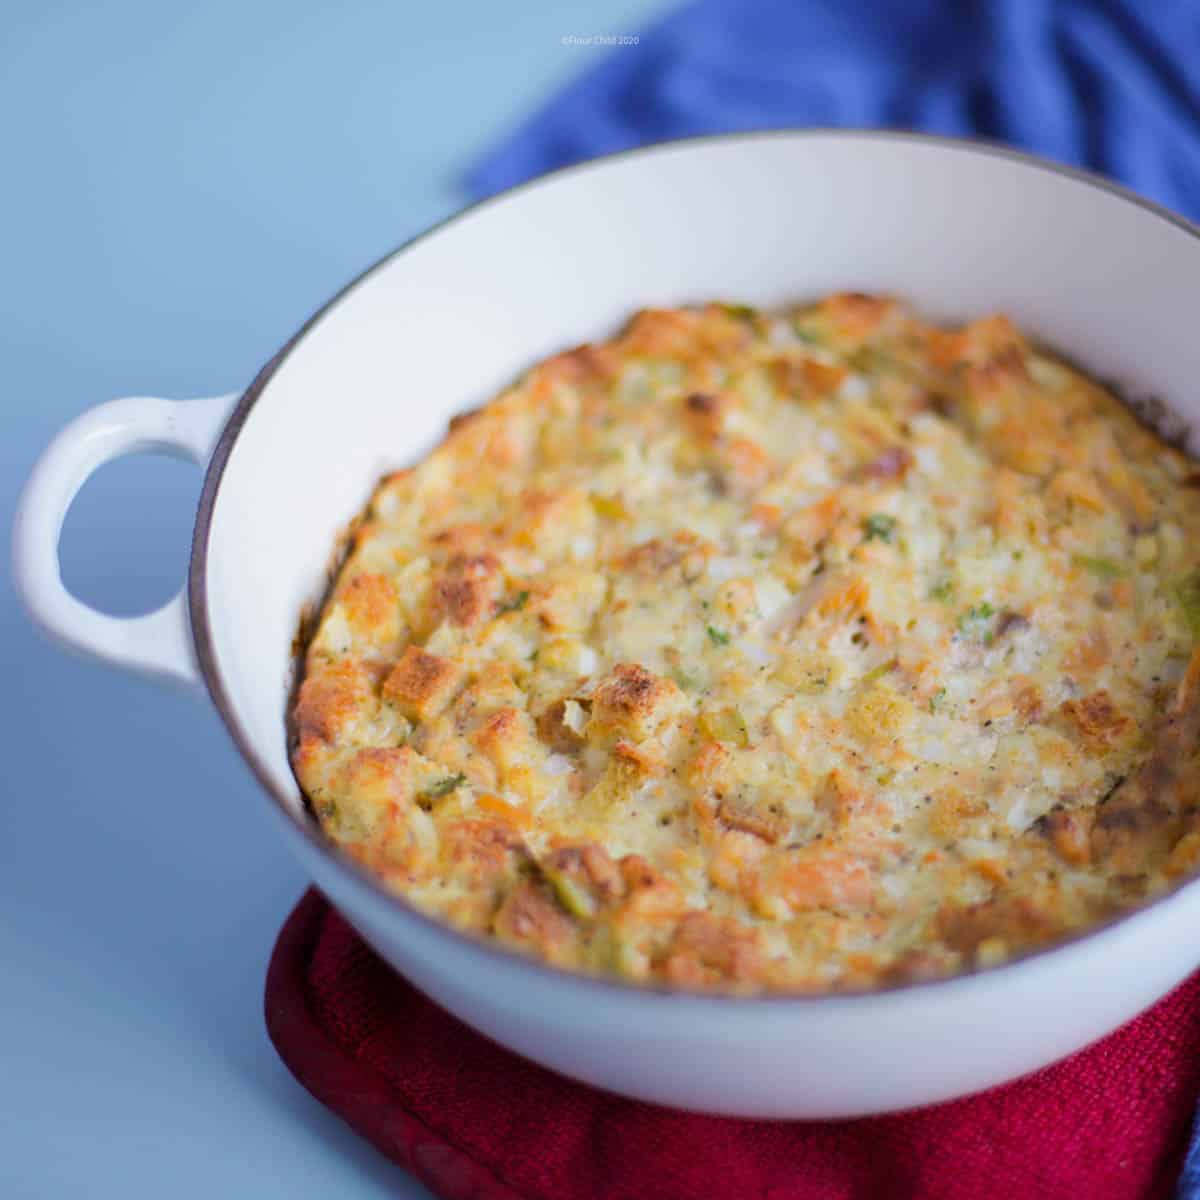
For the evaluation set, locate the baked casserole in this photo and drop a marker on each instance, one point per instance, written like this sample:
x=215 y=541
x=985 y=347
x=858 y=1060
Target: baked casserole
x=791 y=651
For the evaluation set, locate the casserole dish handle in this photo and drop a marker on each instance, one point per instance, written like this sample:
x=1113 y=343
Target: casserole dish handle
x=158 y=643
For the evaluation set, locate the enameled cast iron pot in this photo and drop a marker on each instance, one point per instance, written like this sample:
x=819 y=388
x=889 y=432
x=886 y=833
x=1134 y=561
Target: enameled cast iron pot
x=440 y=325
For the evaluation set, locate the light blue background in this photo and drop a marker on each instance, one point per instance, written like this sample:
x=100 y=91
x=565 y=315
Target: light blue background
x=180 y=186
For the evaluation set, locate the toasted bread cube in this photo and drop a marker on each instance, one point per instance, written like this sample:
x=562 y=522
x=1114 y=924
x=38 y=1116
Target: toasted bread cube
x=508 y=739
x=376 y=788
x=530 y=917
x=708 y=949
x=421 y=685
x=467 y=591
x=632 y=702
x=332 y=696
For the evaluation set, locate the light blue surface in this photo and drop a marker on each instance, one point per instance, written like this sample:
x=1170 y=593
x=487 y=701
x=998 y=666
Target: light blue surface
x=180 y=186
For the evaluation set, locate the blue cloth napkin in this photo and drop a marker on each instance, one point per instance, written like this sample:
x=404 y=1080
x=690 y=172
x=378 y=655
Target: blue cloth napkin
x=1113 y=85
x=1109 y=84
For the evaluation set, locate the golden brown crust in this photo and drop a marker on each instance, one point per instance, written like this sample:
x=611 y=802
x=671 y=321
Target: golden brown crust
x=530 y=918
x=422 y=684
x=771 y=650
x=1097 y=720
x=705 y=950
x=591 y=867
x=1069 y=833
x=554 y=730
x=762 y=818
x=329 y=698
x=1007 y=920
x=467 y=589
x=631 y=700
x=371 y=602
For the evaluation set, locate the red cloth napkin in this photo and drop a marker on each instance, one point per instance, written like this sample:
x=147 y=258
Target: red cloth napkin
x=474 y=1121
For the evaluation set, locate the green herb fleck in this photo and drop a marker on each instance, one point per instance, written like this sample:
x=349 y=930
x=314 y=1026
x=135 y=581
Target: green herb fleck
x=718 y=637
x=515 y=604
x=975 y=619
x=810 y=337
x=879 y=672
x=575 y=898
x=879 y=527
x=936 y=699
x=741 y=312
x=978 y=612
x=1187 y=596
x=685 y=679
x=871 y=360
x=1105 y=568
x=942 y=591
x=443 y=787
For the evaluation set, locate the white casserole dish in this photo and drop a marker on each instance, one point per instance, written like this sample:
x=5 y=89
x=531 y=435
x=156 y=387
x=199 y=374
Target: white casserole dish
x=369 y=383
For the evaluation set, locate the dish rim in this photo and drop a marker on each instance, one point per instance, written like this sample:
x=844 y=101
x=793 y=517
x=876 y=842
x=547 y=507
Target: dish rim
x=205 y=647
